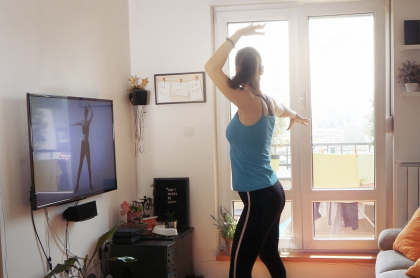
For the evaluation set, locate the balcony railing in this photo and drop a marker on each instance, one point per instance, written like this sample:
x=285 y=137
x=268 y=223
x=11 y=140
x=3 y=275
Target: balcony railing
x=334 y=148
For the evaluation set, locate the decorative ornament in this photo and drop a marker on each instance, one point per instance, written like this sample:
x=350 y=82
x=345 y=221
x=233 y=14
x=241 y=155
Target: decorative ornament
x=139 y=113
x=133 y=81
x=134 y=84
x=125 y=208
x=143 y=83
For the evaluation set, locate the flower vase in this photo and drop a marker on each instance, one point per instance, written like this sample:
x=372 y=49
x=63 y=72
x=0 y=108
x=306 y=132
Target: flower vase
x=134 y=217
x=228 y=246
x=411 y=87
x=171 y=224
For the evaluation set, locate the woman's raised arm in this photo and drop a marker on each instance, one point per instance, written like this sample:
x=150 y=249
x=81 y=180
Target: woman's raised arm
x=215 y=64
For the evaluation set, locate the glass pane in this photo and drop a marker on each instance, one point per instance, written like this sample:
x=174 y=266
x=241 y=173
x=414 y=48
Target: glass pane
x=285 y=227
x=342 y=93
x=344 y=220
x=286 y=221
x=238 y=207
x=274 y=50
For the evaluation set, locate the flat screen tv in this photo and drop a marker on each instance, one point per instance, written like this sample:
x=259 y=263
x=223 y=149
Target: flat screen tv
x=72 y=150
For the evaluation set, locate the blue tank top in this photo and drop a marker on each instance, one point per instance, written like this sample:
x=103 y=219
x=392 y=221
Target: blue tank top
x=249 y=153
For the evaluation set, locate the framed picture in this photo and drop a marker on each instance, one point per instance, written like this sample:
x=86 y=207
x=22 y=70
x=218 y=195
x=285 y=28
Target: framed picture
x=189 y=87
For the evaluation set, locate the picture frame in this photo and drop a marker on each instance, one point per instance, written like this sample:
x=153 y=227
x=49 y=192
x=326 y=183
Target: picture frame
x=174 y=88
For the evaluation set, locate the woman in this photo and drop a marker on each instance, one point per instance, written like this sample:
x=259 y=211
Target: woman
x=85 y=148
x=249 y=134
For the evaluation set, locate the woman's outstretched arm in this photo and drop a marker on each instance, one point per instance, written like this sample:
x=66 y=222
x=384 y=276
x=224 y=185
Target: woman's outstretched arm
x=281 y=110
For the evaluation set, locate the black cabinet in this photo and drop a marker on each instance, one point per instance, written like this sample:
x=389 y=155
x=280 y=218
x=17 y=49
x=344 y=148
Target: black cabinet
x=157 y=256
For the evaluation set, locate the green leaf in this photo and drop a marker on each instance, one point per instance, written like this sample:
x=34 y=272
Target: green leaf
x=124 y=259
x=104 y=238
x=69 y=263
x=85 y=265
x=57 y=269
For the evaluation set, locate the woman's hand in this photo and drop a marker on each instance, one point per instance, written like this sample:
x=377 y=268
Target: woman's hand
x=298 y=119
x=252 y=30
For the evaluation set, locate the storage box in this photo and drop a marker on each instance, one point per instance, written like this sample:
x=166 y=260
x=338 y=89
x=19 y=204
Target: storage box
x=142 y=226
x=150 y=221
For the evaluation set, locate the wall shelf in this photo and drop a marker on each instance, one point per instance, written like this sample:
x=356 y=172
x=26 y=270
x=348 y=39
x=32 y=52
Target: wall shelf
x=410 y=94
x=410 y=47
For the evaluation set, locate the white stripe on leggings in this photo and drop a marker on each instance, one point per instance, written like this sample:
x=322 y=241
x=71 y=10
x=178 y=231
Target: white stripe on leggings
x=242 y=235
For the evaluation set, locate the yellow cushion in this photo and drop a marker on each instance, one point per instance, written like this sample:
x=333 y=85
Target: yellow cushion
x=408 y=240
x=414 y=271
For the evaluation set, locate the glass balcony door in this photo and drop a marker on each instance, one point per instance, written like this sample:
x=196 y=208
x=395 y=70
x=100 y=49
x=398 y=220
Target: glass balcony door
x=327 y=62
x=343 y=148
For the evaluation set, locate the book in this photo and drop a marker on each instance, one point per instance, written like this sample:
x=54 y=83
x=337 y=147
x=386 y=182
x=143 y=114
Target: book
x=126 y=240
x=127 y=232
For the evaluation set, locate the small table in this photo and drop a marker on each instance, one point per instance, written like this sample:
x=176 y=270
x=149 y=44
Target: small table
x=157 y=256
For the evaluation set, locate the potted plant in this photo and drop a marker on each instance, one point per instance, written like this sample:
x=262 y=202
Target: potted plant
x=136 y=94
x=226 y=225
x=134 y=212
x=409 y=74
x=87 y=267
x=171 y=221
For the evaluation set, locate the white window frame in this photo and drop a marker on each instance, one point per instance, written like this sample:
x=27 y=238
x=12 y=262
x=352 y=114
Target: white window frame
x=301 y=193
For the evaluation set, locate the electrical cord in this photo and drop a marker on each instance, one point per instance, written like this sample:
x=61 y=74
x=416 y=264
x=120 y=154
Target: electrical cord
x=48 y=233
x=67 y=250
x=67 y=239
x=4 y=229
x=39 y=240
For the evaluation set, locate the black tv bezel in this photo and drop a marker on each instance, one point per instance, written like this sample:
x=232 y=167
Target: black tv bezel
x=32 y=198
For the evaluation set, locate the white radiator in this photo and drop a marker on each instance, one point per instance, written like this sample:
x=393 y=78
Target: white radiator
x=406 y=191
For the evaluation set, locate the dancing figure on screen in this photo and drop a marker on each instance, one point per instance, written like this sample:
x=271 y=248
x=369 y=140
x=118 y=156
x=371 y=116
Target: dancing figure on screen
x=85 y=148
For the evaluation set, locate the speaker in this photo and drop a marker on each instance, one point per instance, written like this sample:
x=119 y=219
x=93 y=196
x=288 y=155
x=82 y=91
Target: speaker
x=139 y=97
x=81 y=212
x=411 y=32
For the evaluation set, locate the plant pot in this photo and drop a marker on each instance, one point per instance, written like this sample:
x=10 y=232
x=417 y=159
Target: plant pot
x=274 y=162
x=134 y=217
x=228 y=246
x=171 y=224
x=411 y=87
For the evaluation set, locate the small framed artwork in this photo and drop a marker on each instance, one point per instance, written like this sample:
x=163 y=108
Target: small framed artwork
x=189 y=87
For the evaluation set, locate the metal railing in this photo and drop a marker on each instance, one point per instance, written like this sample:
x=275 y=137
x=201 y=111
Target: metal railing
x=336 y=148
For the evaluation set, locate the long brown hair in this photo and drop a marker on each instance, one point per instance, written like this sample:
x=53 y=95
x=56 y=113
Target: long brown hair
x=248 y=64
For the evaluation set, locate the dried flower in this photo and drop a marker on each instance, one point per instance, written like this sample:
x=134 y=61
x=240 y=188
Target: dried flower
x=133 y=83
x=409 y=72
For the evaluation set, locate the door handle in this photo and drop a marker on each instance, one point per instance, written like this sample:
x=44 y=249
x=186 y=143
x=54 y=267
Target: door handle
x=303 y=100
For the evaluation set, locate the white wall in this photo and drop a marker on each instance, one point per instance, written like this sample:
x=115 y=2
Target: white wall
x=66 y=47
x=406 y=110
x=173 y=37
x=81 y=48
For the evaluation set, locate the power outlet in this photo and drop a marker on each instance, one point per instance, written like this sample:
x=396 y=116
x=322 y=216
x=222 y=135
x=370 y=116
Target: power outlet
x=189 y=131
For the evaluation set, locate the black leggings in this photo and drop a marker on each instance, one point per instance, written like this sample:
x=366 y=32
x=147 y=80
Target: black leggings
x=257 y=233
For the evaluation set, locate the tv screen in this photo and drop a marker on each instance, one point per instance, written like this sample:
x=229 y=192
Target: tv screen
x=72 y=150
